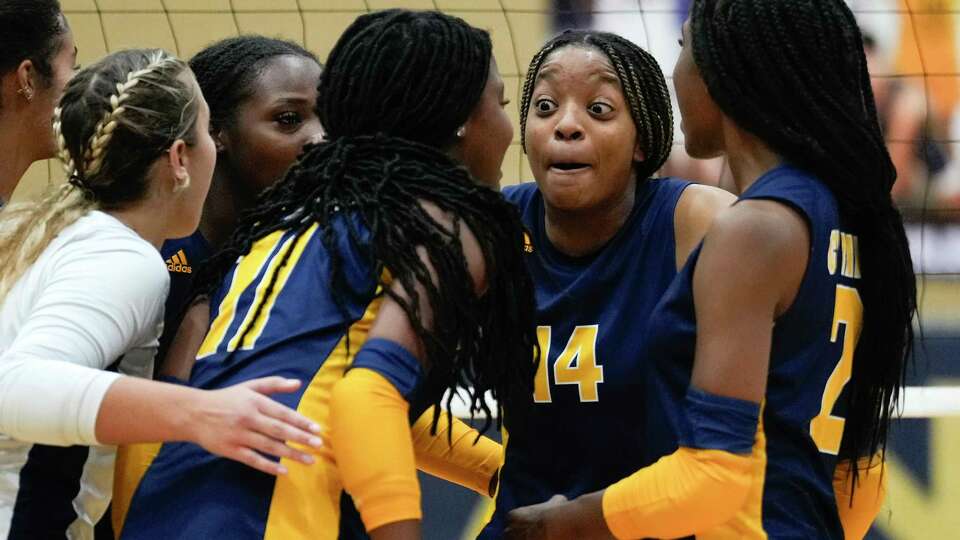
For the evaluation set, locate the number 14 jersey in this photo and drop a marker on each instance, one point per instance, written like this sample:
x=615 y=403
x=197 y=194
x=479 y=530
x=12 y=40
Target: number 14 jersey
x=586 y=430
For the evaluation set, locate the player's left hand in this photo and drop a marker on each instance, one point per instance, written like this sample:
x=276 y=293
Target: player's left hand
x=532 y=522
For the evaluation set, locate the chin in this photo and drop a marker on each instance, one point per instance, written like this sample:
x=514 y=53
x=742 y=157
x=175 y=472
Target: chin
x=568 y=198
x=699 y=151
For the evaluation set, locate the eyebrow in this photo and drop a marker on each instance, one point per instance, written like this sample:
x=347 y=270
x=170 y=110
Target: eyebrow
x=608 y=76
x=292 y=100
x=605 y=74
x=545 y=73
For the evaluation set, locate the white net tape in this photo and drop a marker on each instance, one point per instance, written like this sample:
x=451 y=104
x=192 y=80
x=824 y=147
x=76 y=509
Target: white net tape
x=916 y=402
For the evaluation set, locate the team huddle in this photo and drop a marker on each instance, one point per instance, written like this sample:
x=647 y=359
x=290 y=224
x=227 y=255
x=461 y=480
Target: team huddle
x=249 y=309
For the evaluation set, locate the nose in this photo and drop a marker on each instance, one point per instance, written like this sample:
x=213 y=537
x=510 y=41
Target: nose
x=313 y=133
x=568 y=126
x=317 y=137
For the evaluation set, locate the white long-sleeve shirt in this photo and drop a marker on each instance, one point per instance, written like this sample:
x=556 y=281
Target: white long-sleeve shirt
x=93 y=298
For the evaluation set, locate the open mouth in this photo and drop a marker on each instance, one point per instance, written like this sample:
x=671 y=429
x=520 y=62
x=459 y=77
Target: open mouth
x=569 y=167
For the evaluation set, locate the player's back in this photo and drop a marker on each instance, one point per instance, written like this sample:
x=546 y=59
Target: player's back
x=585 y=431
x=275 y=314
x=810 y=360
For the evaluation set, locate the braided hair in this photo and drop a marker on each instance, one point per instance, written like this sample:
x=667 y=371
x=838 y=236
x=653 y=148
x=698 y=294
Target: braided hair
x=794 y=74
x=641 y=80
x=115 y=119
x=227 y=69
x=397 y=85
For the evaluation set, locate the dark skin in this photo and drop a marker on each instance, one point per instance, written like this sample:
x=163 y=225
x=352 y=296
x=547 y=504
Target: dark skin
x=578 y=114
x=487 y=136
x=759 y=248
x=265 y=136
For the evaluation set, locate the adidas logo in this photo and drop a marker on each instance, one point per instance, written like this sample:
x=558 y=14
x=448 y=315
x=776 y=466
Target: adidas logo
x=527 y=243
x=178 y=263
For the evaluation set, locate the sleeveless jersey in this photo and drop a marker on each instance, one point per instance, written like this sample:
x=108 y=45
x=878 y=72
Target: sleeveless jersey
x=586 y=430
x=810 y=363
x=301 y=332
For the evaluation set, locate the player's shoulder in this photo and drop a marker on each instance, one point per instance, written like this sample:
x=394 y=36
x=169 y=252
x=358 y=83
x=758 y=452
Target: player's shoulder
x=104 y=242
x=699 y=204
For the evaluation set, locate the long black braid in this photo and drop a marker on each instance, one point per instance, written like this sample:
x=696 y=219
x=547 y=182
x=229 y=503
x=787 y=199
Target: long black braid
x=381 y=164
x=794 y=74
x=643 y=87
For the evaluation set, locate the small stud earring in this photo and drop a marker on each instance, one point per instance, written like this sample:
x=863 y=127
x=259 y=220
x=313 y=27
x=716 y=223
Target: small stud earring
x=182 y=185
x=461 y=131
x=26 y=93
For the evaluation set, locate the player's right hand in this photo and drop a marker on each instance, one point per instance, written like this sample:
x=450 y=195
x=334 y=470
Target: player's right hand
x=241 y=423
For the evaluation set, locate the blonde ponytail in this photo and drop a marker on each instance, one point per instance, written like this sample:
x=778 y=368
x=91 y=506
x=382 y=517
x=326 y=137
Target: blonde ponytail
x=26 y=229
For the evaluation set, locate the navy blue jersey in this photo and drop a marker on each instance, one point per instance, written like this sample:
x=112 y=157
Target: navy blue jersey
x=810 y=363
x=301 y=332
x=183 y=257
x=585 y=432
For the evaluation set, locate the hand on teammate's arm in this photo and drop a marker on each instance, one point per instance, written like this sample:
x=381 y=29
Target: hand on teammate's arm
x=239 y=422
x=560 y=519
x=704 y=483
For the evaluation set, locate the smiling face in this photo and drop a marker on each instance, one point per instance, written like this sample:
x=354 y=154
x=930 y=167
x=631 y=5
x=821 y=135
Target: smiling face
x=270 y=127
x=580 y=137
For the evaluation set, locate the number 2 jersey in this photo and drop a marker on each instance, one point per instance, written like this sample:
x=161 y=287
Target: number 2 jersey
x=813 y=341
x=586 y=430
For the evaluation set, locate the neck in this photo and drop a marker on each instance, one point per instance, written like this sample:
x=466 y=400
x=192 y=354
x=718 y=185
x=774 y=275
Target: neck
x=16 y=155
x=150 y=221
x=581 y=232
x=747 y=155
x=222 y=209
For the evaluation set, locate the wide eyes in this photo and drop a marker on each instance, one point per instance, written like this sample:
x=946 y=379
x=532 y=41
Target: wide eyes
x=599 y=109
x=545 y=106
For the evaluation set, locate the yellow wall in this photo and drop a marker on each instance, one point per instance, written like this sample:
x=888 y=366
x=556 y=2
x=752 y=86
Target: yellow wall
x=518 y=28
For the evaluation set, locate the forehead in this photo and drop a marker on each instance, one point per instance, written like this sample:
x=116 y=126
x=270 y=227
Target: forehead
x=286 y=72
x=580 y=63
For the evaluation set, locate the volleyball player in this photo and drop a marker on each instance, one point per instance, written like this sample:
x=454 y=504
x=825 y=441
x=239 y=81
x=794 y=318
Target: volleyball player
x=781 y=346
x=381 y=269
x=82 y=287
x=606 y=239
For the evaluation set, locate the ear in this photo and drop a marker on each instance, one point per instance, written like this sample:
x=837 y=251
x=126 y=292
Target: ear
x=639 y=154
x=26 y=73
x=220 y=140
x=177 y=161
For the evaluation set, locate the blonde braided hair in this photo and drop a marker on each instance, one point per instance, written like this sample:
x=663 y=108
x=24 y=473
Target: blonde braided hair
x=143 y=106
x=103 y=132
x=69 y=167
